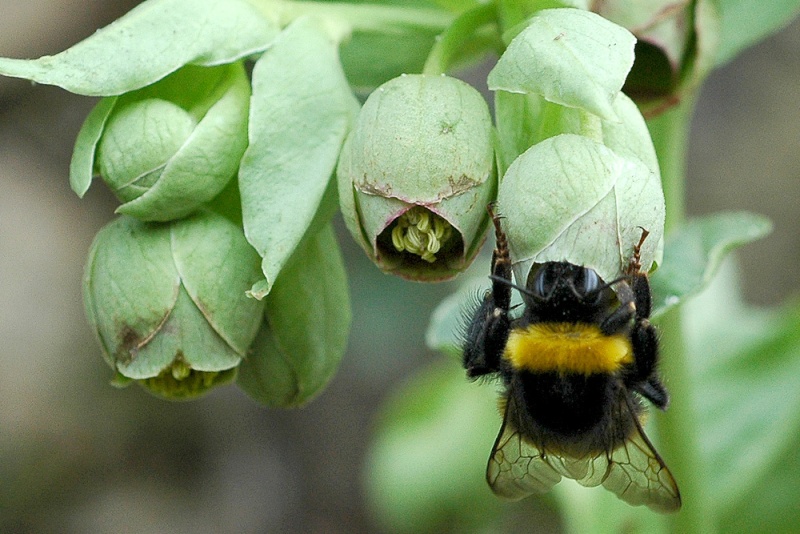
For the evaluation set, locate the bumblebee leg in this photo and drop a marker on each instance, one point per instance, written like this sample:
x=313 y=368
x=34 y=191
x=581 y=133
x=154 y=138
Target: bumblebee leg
x=622 y=316
x=640 y=285
x=486 y=338
x=501 y=264
x=644 y=377
x=488 y=329
x=644 y=338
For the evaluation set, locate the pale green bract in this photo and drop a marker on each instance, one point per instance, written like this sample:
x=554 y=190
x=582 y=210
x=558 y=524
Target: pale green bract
x=167 y=148
x=167 y=300
x=694 y=252
x=421 y=142
x=301 y=111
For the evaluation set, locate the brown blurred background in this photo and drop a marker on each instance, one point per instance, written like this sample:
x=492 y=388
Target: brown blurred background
x=77 y=455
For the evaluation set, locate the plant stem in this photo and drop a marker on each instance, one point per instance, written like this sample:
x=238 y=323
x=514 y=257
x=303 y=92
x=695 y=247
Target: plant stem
x=356 y=17
x=678 y=430
x=670 y=132
x=457 y=34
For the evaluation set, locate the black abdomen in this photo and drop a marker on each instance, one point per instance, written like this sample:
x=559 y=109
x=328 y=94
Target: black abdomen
x=571 y=413
x=568 y=404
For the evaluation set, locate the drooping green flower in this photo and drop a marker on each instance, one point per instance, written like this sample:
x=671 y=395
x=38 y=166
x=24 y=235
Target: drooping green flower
x=168 y=304
x=416 y=174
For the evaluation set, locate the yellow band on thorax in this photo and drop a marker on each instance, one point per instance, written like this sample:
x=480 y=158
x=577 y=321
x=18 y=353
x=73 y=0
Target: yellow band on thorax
x=567 y=348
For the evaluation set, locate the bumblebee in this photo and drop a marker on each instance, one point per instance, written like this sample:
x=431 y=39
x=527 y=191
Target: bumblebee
x=575 y=366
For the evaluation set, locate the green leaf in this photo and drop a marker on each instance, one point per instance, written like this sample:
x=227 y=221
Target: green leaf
x=300 y=113
x=81 y=167
x=407 y=28
x=741 y=444
x=693 y=254
x=153 y=40
x=425 y=469
x=746 y=361
x=583 y=204
x=569 y=56
x=367 y=65
x=408 y=33
x=743 y=23
x=771 y=504
x=299 y=347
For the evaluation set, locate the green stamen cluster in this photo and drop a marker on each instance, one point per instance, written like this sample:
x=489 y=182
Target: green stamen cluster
x=179 y=381
x=421 y=232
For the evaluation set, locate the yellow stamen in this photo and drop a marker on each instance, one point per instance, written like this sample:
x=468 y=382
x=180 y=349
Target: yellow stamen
x=421 y=232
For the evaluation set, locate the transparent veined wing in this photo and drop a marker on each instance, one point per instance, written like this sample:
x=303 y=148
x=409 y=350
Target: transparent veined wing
x=637 y=474
x=517 y=468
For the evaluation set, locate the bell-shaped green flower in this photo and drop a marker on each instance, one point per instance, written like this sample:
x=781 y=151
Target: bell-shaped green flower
x=415 y=176
x=168 y=148
x=168 y=303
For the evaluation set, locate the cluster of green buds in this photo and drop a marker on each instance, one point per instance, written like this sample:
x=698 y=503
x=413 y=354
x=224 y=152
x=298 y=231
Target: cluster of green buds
x=182 y=289
x=168 y=304
x=228 y=177
x=165 y=285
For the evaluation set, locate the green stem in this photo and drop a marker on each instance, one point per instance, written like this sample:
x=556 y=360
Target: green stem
x=460 y=32
x=678 y=430
x=356 y=17
x=670 y=132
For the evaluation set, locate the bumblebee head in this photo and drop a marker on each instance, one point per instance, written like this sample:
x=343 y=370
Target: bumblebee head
x=561 y=291
x=563 y=282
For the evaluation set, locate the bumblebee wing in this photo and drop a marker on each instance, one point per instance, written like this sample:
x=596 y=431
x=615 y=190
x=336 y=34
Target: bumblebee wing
x=517 y=468
x=637 y=474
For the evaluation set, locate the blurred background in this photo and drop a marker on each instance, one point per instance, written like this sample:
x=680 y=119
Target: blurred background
x=77 y=455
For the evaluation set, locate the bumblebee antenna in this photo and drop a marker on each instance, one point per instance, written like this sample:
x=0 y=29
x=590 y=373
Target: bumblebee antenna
x=521 y=289
x=623 y=278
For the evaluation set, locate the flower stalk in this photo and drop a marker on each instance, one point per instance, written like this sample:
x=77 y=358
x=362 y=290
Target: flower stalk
x=677 y=430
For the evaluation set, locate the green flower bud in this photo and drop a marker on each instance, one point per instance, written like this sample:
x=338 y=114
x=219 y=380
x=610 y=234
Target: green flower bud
x=168 y=148
x=415 y=176
x=168 y=304
x=139 y=140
